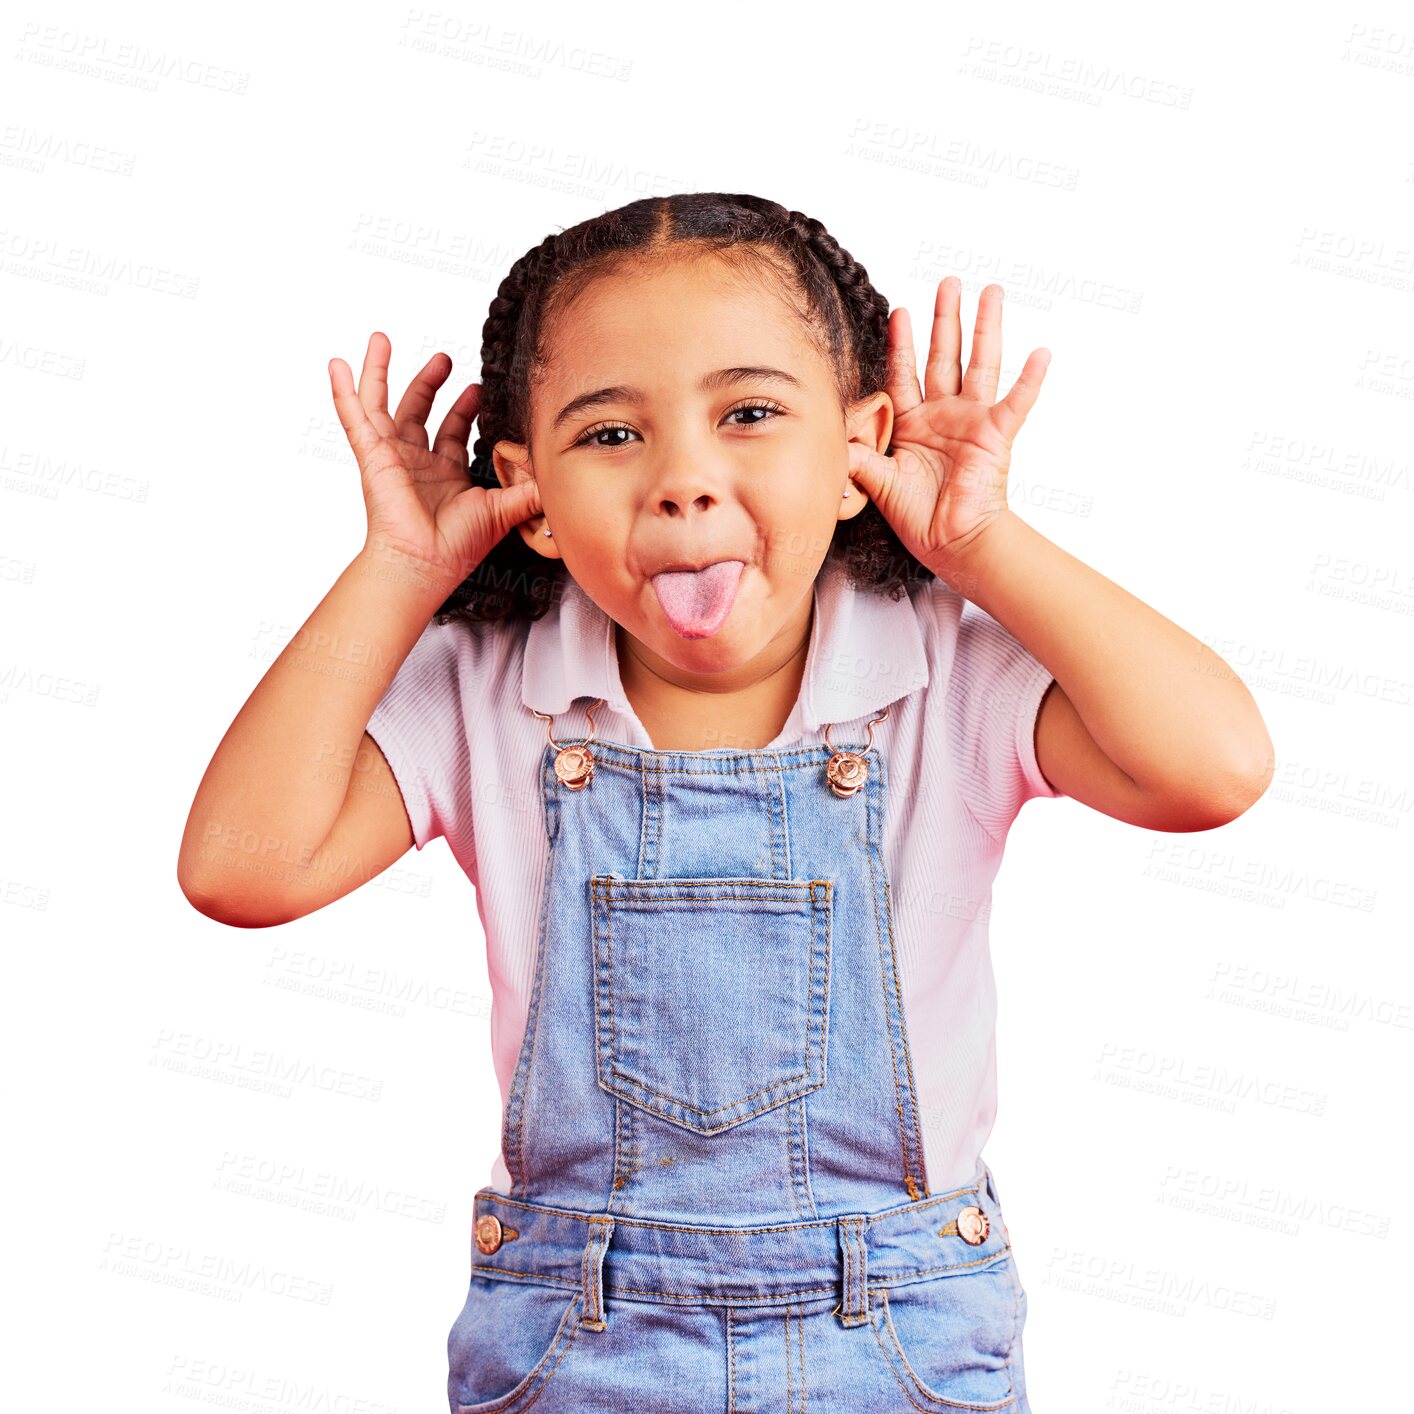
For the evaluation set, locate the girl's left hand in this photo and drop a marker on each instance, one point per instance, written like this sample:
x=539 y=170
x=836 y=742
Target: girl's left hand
x=947 y=477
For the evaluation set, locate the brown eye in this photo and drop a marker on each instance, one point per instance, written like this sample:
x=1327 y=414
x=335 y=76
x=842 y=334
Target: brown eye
x=599 y=431
x=774 y=408
x=590 y=436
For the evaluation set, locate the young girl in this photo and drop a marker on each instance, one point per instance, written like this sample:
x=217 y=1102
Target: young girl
x=724 y=671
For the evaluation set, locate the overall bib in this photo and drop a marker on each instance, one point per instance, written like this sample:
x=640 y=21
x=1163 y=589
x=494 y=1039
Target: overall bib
x=718 y=1199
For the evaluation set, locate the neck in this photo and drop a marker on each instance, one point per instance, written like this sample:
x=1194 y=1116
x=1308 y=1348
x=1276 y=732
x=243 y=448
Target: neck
x=745 y=709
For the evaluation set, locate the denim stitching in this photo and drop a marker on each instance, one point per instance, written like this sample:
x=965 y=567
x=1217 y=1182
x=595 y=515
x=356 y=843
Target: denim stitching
x=913 y=1150
x=589 y=1316
x=602 y=887
x=798 y=1157
x=792 y=1171
x=519 y=1401
x=650 y=832
x=696 y=1298
x=603 y=977
x=779 y=816
x=490 y=1196
x=871 y=816
x=790 y=1390
x=934 y=1401
x=851 y=1311
x=851 y=1275
x=731 y=1364
x=607 y=882
x=618 y=1180
x=817 y=759
x=861 y=1270
x=800 y=1337
x=907 y=1054
x=633 y=1146
x=823 y=910
x=592 y=1273
x=804 y=1116
x=525 y=1060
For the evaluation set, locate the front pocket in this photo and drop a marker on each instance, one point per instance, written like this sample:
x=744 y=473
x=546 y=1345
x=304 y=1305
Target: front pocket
x=508 y=1343
x=711 y=996
x=950 y=1339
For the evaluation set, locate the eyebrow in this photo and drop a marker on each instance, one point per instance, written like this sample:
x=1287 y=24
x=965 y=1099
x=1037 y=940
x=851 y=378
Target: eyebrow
x=622 y=393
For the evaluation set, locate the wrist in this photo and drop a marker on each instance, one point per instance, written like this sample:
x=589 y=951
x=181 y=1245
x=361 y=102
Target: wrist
x=970 y=562
x=401 y=572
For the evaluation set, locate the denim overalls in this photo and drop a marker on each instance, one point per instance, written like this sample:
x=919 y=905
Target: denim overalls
x=718 y=1197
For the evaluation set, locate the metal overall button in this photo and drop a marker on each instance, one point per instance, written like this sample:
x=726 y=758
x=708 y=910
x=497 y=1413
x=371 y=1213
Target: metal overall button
x=847 y=771
x=574 y=764
x=488 y=1233
x=971 y=1224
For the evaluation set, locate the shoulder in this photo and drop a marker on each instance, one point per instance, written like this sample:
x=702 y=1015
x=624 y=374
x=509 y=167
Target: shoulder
x=460 y=652
x=449 y=670
x=433 y=718
x=986 y=689
x=963 y=642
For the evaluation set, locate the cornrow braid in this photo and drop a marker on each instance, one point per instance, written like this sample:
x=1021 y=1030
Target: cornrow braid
x=843 y=311
x=498 y=343
x=512 y=581
x=868 y=544
x=866 y=309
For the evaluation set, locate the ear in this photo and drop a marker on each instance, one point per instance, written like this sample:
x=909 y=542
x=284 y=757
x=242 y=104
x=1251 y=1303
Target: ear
x=870 y=421
x=511 y=463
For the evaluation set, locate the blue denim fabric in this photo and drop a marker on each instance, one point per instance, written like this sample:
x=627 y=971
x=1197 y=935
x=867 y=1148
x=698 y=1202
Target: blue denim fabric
x=718 y=1196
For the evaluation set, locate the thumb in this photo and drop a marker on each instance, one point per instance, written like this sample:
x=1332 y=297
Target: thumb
x=503 y=508
x=871 y=471
x=518 y=503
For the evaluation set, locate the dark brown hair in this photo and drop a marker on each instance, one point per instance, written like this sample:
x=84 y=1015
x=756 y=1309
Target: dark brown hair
x=839 y=308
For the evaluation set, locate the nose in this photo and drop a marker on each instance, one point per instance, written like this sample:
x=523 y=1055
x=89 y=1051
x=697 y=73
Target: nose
x=687 y=488
x=675 y=507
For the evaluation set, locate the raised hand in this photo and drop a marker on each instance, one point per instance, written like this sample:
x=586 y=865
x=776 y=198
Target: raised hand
x=421 y=502
x=947 y=476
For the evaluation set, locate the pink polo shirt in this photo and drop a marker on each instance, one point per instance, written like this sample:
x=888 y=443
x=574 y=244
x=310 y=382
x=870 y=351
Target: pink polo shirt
x=963 y=695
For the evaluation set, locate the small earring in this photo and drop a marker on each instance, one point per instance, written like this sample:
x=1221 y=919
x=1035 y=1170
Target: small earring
x=845 y=494
x=548 y=531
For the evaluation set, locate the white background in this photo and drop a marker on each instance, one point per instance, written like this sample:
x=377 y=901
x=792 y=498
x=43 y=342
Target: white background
x=1205 y=1040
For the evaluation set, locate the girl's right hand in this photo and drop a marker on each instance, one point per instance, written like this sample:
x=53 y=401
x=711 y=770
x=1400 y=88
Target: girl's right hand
x=421 y=502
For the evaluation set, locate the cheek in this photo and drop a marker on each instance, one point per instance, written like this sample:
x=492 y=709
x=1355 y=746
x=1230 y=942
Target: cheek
x=802 y=491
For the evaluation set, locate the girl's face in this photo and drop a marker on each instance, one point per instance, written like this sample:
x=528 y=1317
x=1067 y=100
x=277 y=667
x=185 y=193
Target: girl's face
x=684 y=419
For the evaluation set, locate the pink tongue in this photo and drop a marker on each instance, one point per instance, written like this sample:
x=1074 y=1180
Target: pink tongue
x=696 y=602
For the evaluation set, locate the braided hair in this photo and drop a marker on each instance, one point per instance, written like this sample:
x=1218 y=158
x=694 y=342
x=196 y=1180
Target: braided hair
x=842 y=312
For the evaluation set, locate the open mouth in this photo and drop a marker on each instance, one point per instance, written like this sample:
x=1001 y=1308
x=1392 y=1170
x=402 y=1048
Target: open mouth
x=696 y=602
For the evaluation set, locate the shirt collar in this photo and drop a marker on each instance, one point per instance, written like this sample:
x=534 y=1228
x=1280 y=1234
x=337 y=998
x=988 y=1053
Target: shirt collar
x=866 y=651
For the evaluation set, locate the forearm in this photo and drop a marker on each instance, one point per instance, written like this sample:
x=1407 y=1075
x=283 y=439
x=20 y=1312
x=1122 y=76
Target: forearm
x=278 y=780
x=1166 y=709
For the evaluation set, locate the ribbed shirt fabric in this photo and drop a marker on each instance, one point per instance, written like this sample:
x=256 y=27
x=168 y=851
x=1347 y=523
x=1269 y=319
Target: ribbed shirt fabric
x=963 y=693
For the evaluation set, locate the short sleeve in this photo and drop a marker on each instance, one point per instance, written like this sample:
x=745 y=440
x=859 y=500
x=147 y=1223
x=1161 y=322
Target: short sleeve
x=420 y=727
x=995 y=694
